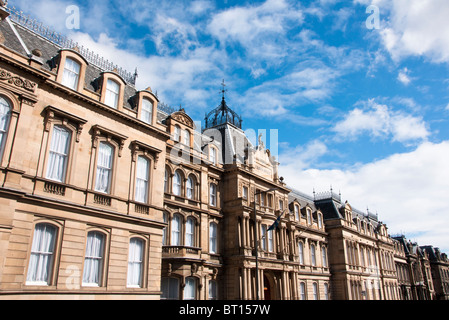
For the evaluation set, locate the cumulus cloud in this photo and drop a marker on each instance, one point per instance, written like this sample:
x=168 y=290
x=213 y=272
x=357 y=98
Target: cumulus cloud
x=381 y=121
x=417 y=28
x=409 y=190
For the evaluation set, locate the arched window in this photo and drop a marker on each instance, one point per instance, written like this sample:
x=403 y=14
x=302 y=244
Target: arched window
x=326 y=291
x=166 y=181
x=302 y=291
x=213 y=290
x=58 y=155
x=104 y=168
x=142 y=178
x=94 y=259
x=320 y=220
x=296 y=212
x=213 y=155
x=177 y=184
x=187 y=137
x=42 y=254
x=309 y=216
x=112 y=93
x=324 y=256
x=213 y=195
x=270 y=240
x=190 y=232
x=190 y=188
x=146 y=115
x=315 y=291
x=301 y=252
x=71 y=74
x=176 y=230
x=213 y=237
x=313 y=254
x=135 y=262
x=177 y=133
x=190 y=289
x=5 y=116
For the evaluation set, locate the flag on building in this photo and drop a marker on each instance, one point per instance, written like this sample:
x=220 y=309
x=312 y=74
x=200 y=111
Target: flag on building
x=276 y=223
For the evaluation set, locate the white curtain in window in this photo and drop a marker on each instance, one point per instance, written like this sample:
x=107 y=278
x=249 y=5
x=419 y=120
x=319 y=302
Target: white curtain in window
x=302 y=287
x=187 y=137
x=264 y=237
x=71 y=73
x=104 y=168
x=324 y=256
x=135 y=261
x=301 y=252
x=213 y=195
x=213 y=238
x=313 y=254
x=213 y=155
x=190 y=289
x=42 y=250
x=190 y=233
x=177 y=134
x=142 y=174
x=93 y=260
x=177 y=184
x=147 y=111
x=270 y=241
x=57 y=158
x=112 y=93
x=176 y=231
x=190 y=188
x=5 y=115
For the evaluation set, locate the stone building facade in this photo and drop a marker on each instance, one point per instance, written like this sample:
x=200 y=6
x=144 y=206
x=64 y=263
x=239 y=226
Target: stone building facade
x=105 y=193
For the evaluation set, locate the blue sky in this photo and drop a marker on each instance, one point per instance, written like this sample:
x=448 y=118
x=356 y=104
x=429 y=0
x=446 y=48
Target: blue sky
x=364 y=110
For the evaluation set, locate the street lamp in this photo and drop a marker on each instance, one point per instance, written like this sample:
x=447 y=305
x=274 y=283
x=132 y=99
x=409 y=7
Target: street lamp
x=256 y=241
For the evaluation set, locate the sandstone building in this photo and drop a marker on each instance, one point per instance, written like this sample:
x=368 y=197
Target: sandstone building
x=106 y=193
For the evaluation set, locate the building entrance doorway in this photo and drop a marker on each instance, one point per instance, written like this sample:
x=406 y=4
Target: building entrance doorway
x=267 y=292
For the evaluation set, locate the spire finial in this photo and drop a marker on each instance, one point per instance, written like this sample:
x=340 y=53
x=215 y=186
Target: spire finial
x=223 y=90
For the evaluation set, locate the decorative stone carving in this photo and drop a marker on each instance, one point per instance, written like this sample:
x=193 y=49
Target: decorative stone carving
x=17 y=81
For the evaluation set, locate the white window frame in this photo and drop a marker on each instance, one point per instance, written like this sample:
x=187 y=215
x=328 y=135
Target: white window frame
x=146 y=114
x=190 y=232
x=213 y=194
x=135 y=263
x=112 y=94
x=176 y=232
x=89 y=271
x=177 y=184
x=101 y=167
x=52 y=172
x=71 y=72
x=142 y=182
x=213 y=237
x=40 y=266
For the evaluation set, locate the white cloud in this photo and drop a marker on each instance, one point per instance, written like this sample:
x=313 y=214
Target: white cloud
x=381 y=121
x=416 y=28
x=404 y=77
x=409 y=191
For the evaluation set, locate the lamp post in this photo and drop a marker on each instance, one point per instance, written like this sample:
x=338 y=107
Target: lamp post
x=256 y=241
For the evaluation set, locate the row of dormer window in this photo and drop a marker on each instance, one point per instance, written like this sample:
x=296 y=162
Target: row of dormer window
x=72 y=71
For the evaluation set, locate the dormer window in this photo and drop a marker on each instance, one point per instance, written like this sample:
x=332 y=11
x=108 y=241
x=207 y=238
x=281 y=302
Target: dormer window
x=146 y=114
x=71 y=74
x=112 y=93
x=72 y=69
x=112 y=90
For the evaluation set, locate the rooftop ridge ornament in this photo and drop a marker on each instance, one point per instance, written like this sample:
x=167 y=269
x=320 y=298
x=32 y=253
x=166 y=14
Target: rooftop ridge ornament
x=223 y=90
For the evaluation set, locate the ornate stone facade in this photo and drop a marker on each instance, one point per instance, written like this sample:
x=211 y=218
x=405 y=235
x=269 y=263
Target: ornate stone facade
x=108 y=196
